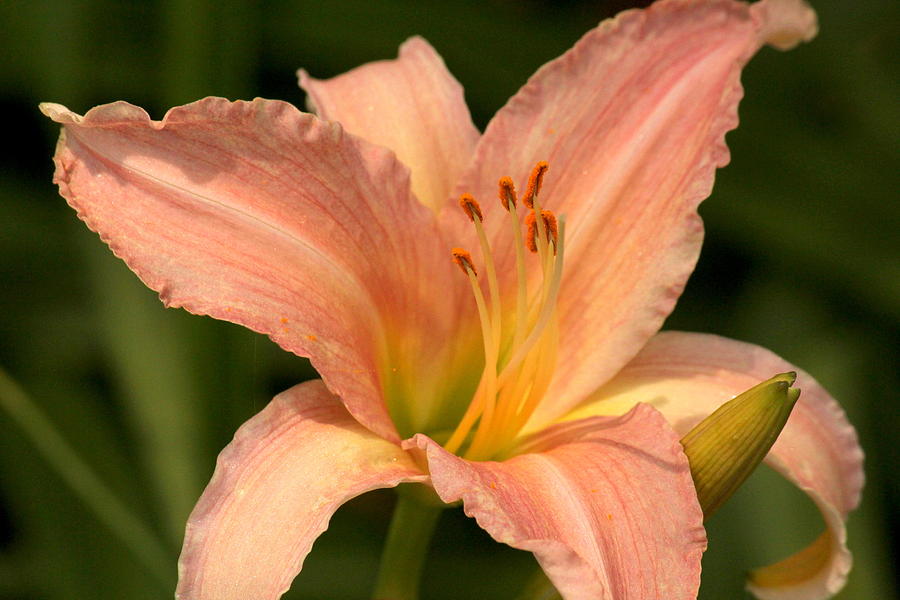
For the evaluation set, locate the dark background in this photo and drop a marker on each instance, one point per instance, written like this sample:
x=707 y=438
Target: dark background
x=128 y=403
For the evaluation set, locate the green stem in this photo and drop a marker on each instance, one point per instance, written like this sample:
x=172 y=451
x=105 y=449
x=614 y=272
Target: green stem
x=405 y=549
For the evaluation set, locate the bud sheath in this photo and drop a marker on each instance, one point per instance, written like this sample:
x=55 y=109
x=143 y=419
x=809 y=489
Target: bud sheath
x=729 y=444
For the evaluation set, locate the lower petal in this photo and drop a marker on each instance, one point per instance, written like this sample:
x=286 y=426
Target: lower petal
x=274 y=490
x=687 y=376
x=607 y=505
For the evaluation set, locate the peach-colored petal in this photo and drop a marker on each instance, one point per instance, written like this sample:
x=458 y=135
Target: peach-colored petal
x=411 y=105
x=274 y=490
x=632 y=122
x=688 y=375
x=255 y=213
x=607 y=506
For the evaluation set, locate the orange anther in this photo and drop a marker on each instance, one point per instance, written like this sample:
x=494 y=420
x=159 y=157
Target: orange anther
x=534 y=183
x=464 y=260
x=470 y=207
x=507 y=192
x=531 y=232
x=551 y=229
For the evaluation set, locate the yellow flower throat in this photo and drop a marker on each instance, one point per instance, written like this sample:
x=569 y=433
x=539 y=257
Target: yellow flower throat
x=520 y=343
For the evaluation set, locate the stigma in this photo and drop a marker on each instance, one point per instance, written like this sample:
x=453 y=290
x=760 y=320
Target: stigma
x=520 y=334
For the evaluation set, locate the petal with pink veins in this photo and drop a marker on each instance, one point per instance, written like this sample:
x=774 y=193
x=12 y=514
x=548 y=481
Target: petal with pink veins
x=411 y=105
x=274 y=490
x=256 y=213
x=607 y=505
x=688 y=375
x=632 y=121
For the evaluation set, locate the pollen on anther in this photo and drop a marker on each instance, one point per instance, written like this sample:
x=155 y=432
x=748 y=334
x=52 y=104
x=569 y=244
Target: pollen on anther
x=535 y=180
x=551 y=226
x=470 y=206
x=551 y=229
x=464 y=260
x=531 y=232
x=507 y=192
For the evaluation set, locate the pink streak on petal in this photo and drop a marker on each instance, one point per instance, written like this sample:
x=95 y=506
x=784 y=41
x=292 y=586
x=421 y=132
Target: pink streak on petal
x=411 y=105
x=688 y=375
x=255 y=213
x=607 y=505
x=274 y=490
x=632 y=122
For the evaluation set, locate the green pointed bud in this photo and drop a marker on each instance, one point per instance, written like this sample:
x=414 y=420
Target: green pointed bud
x=729 y=444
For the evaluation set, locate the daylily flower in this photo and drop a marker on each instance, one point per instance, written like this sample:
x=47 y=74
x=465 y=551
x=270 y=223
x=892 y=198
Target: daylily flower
x=534 y=388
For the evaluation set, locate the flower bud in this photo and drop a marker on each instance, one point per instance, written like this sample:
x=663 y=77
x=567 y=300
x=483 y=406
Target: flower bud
x=725 y=447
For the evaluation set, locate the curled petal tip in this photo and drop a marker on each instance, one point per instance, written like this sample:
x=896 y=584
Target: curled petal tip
x=55 y=111
x=785 y=23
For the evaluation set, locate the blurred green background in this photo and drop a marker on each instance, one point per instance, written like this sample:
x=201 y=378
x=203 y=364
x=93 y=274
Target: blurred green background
x=129 y=402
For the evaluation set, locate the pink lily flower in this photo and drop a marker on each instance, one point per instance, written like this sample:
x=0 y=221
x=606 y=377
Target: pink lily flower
x=549 y=404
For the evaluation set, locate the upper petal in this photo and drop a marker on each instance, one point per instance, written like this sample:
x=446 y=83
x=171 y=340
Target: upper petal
x=688 y=375
x=411 y=105
x=255 y=213
x=632 y=122
x=607 y=506
x=274 y=490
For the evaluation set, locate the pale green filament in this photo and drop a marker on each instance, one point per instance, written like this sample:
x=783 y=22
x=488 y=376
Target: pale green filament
x=548 y=307
x=483 y=402
x=516 y=408
x=509 y=393
x=493 y=286
x=522 y=287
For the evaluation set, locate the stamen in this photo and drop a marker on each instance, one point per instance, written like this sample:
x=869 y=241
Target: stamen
x=535 y=180
x=485 y=396
x=464 y=260
x=508 y=198
x=470 y=207
x=519 y=361
x=518 y=389
x=537 y=371
x=546 y=364
x=473 y=210
x=507 y=192
x=550 y=230
x=547 y=308
x=531 y=233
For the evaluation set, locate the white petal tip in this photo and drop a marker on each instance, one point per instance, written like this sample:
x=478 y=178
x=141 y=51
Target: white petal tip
x=785 y=23
x=55 y=111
